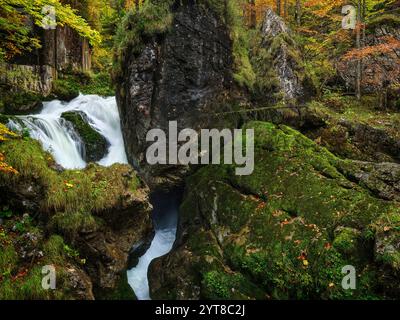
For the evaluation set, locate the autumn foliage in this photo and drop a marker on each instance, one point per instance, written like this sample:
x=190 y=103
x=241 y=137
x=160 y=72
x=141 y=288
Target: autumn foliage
x=4 y=135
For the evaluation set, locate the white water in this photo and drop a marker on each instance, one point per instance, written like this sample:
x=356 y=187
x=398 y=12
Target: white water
x=57 y=136
x=165 y=216
x=137 y=277
x=60 y=139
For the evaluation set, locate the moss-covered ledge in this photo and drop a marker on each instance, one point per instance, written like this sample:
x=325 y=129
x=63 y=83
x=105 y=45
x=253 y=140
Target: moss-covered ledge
x=284 y=232
x=99 y=212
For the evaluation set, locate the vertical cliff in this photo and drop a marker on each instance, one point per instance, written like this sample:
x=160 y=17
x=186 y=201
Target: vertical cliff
x=178 y=75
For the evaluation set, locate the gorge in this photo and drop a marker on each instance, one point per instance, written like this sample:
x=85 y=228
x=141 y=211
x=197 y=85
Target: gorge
x=77 y=190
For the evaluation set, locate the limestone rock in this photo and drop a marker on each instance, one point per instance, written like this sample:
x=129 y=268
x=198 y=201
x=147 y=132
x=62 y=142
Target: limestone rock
x=177 y=76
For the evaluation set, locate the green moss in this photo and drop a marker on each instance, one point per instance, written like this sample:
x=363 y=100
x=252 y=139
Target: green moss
x=69 y=85
x=8 y=258
x=287 y=229
x=217 y=285
x=384 y=19
x=90 y=190
x=95 y=144
x=154 y=18
x=69 y=223
x=21 y=278
x=65 y=89
x=346 y=241
x=20 y=102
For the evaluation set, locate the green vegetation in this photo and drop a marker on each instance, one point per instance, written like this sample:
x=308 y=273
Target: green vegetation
x=21 y=277
x=95 y=144
x=68 y=86
x=69 y=203
x=154 y=18
x=16 y=35
x=290 y=227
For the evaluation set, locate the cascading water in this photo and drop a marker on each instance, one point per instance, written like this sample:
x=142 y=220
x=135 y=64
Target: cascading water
x=165 y=216
x=58 y=137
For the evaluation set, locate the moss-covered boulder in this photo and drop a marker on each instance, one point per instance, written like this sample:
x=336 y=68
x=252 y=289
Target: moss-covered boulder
x=284 y=232
x=95 y=144
x=99 y=212
x=20 y=102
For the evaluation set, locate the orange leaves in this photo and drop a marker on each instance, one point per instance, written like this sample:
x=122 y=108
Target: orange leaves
x=388 y=46
x=21 y=274
x=4 y=167
x=5 y=133
x=323 y=9
x=303 y=258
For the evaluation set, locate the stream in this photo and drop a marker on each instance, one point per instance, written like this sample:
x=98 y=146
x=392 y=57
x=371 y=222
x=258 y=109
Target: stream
x=59 y=138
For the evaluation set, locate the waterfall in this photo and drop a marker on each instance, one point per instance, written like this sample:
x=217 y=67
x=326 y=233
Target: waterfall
x=165 y=216
x=58 y=137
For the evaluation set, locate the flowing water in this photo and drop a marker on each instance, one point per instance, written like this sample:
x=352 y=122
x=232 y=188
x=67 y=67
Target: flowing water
x=165 y=216
x=58 y=137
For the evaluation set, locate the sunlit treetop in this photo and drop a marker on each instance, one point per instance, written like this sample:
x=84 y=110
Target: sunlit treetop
x=15 y=32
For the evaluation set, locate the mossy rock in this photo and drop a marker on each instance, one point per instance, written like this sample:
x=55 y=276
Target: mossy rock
x=99 y=212
x=65 y=90
x=21 y=102
x=69 y=85
x=17 y=244
x=286 y=231
x=96 y=145
x=346 y=241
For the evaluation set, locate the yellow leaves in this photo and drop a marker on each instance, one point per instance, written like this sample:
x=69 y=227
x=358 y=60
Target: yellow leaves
x=331 y=285
x=303 y=258
x=69 y=185
x=5 y=133
x=4 y=167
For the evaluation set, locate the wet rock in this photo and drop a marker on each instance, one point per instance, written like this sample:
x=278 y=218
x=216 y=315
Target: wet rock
x=95 y=145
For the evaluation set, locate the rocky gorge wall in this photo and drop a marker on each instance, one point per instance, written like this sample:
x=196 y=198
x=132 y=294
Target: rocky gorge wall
x=63 y=50
x=179 y=75
x=286 y=231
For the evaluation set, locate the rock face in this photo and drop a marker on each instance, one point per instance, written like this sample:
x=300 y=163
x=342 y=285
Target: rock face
x=178 y=77
x=287 y=230
x=95 y=145
x=99 y=212
x=379 y=71
x=28 y=79
x=277 y=39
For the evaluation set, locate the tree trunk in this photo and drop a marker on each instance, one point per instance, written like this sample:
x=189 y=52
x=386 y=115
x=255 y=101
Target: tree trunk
x=253 y=14
x=278 y=7
x=298 y=12
x=286 y=8
x=358 y=45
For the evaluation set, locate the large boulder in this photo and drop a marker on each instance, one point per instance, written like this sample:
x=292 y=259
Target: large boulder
x=287 y=230
x=95 y=145
x=179 y=75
